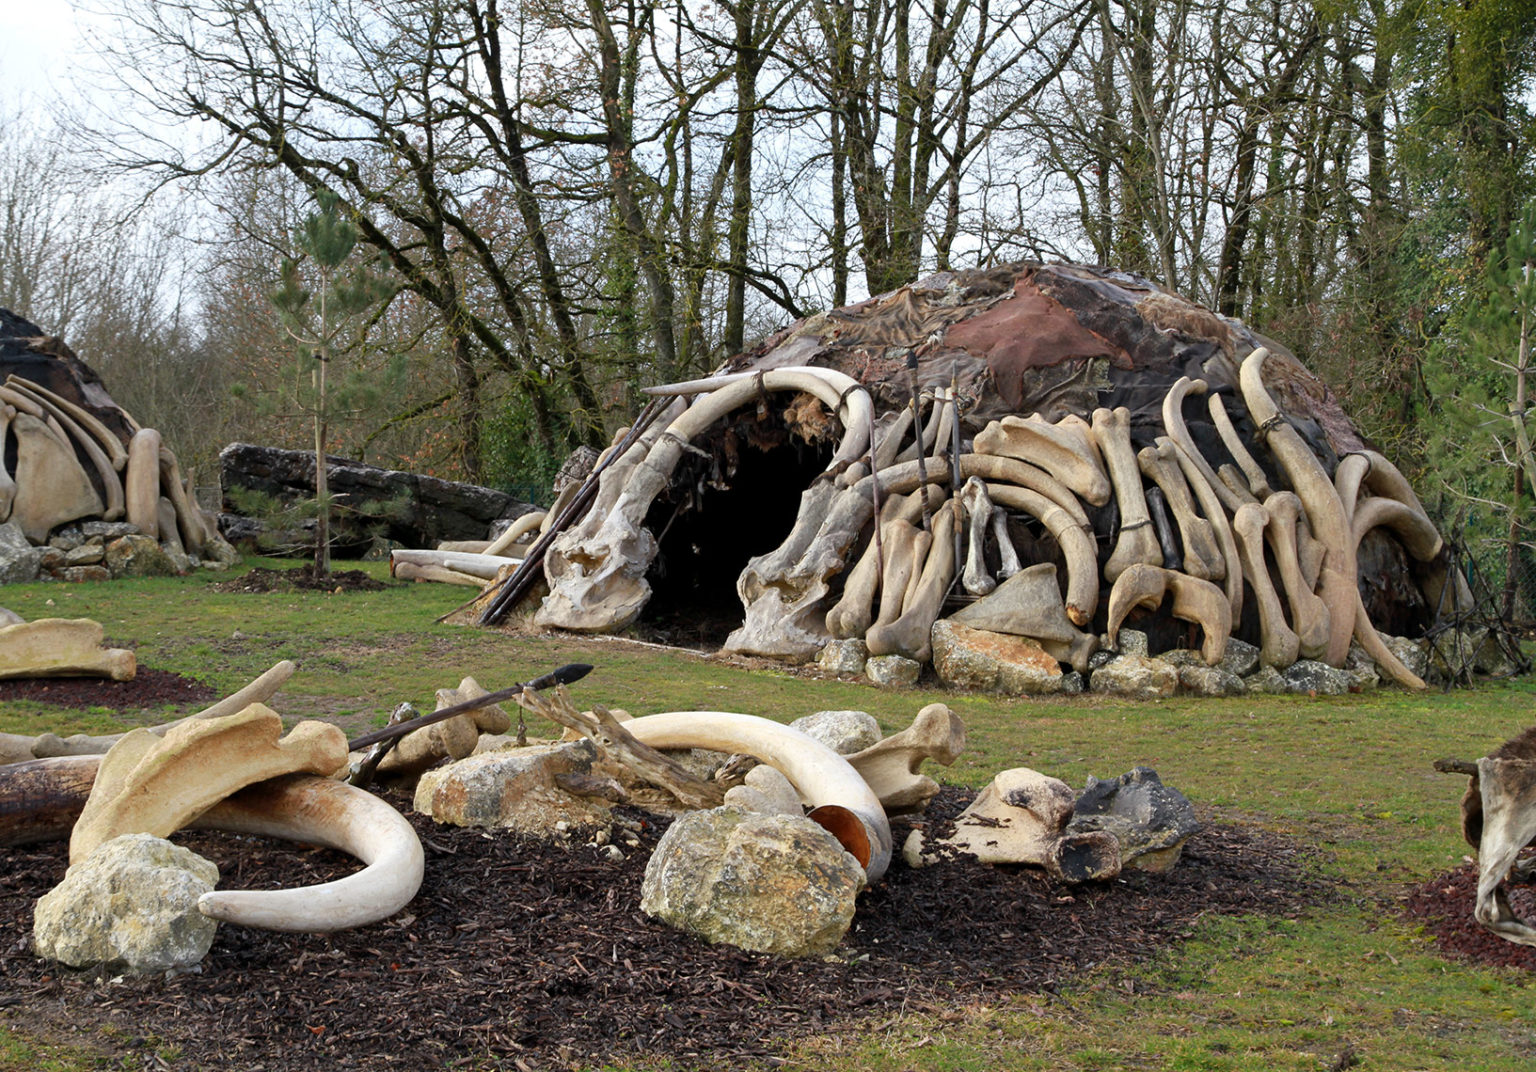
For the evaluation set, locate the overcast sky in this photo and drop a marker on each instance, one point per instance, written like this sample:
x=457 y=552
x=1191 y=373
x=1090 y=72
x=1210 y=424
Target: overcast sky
x=38 y=38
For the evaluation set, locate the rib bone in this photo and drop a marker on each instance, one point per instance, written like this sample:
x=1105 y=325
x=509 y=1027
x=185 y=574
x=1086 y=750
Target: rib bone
x=1258 y=483
x=1210 y=503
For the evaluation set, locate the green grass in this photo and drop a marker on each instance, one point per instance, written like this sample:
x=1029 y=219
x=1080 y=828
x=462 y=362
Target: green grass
x=1348 y=985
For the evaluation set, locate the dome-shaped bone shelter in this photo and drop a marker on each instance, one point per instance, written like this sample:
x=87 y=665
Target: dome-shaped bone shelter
x=1070 y=416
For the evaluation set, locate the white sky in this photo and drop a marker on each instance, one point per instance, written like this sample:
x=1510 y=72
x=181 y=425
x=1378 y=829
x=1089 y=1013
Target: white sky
x=38 y=39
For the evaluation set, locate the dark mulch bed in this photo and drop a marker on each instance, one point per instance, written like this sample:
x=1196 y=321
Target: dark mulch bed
x=1443 y=906
x=300 y=579
x=529 y=954
x=149 y=689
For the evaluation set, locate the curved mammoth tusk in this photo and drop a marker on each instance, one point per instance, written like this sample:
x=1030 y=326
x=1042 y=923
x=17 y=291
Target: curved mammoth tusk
x=837 y=390
x=1378 y=474
x=1178 y=431
x=1377 y=649
x=1325 y=511
x=40 y=801
x=1416 y=532
x=841 y=800
x=319 y=811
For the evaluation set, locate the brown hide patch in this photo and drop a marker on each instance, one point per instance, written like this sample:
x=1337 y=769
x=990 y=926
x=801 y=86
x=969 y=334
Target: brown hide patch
x=903 y=319
x=809 y=419
x=1027 y=332
x=1521 y=746
x=1514 y=780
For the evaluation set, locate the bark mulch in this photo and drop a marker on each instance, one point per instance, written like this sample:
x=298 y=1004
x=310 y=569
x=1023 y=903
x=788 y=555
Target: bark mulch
x=523 y=953
x=149 y=689
x=1443 y=907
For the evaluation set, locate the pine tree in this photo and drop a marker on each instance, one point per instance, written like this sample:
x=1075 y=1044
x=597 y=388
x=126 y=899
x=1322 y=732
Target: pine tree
x=321 y=299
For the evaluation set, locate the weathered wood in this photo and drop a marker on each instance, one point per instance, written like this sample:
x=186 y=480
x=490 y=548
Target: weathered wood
x=609 y=734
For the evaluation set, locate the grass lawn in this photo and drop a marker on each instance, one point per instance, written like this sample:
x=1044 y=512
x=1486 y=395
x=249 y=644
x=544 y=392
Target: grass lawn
x=1349 y=986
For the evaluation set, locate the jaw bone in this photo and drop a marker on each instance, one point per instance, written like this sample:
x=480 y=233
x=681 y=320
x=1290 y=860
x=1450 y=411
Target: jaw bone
x=1194 y=600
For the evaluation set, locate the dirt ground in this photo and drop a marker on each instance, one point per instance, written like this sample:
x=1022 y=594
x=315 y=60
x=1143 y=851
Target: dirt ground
x=527 y=953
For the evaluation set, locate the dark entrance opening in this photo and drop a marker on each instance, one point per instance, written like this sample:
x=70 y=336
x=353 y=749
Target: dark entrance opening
x=718 y=512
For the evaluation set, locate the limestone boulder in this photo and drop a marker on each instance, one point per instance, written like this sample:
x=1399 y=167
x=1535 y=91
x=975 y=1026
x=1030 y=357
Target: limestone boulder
x=130 y=906
x=843 y=656
x=1240 y=658
x=1414 y=654
x=768 y=883
x=1210 y=681
x=970 y=658
x=845 y=732
x=766 y=790
x=514 y=789
x=1308 y=677
x=1135 y=677
x=19 y=560
x=138 y=556
x=1266 y=679
x=1150 y=821
x=893 y=671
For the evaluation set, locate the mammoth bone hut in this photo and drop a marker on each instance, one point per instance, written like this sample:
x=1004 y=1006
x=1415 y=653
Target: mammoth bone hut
x=86 y=492
x=998 y=466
